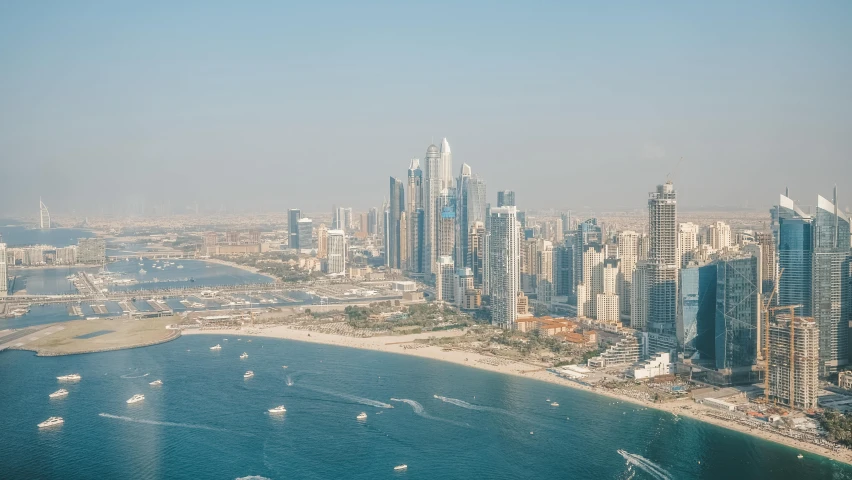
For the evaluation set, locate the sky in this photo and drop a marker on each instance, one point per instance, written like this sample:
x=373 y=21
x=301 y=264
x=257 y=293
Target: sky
x=265 y=106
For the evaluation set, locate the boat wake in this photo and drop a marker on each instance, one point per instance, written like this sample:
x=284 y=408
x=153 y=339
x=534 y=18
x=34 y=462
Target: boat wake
x=253 y=477
x=353 y=398
x=289 y=381
x=419 y=410
x=646 y=465
x=463 y=404
x=134 y=376
x=155 y=422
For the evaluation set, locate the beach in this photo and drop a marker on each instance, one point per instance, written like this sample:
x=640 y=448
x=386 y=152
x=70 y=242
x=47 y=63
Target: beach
x=246 y=268
x=403 y=344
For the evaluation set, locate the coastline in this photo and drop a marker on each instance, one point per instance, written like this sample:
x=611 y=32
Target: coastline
x=245 y=268
x=403 y=344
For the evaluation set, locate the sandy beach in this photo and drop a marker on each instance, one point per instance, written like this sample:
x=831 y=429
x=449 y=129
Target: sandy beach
x=402 y=344
x=247 y=268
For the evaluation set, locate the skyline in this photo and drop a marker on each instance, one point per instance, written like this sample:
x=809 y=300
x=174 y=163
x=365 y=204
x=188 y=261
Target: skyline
x=184 y=103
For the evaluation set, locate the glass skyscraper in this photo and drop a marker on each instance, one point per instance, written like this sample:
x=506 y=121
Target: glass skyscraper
x=737 y=308
x=795 y=252
x=696 y=329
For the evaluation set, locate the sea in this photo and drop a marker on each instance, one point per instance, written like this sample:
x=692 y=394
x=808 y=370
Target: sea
x=20 y=235
x=443 y=421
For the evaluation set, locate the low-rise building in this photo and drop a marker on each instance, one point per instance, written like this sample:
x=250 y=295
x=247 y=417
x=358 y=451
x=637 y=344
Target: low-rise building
x=660 y=364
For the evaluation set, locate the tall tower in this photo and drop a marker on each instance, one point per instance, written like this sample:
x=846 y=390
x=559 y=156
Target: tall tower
x=503 y=267
x=397 y=206
x=44 y=215
x=293 y=217
x=628 y=252
x=462 y=222
x=431 y=192
x=413 y=204
x=4 y=279
x=506 y=198
x=663 y=268
x=447 y=180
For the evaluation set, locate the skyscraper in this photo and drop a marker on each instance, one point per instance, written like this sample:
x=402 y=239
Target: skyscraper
x=476 y=252
x=768 y=261
x=607 y=304
x=628 y=252
x=737 y=311
x=293 y=216
x=335 y=264
x=503 y=268
x=44 y=215
x=372 y=221
x=830 y=304
x=506 y=198
x=544 y=272
x=4 y=279
x=444 y=280
x=720 y=235
x=795 y=255
x=687 y=242
x=413 y=205
x=304 y=235
x=397 y=206
x=593 y=281
x=431 y=192
x=446 y=234
x=471 y=209
x=447 y=179
x=794 y=384
x=322 y=241
x=696 y=325
x=663 y=268
x=91 y=251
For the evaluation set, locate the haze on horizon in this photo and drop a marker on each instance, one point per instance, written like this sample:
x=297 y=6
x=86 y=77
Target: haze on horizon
x=274 y=105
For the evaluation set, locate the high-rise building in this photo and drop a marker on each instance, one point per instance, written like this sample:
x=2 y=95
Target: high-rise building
x=476 y=252
x=335 y=263
x=831 y=302
x=4 y=275
x=719 y=236
x=607 y=304
x=210 y=239
x=232 y=237
x=768 y=267
x=795 y=254
x=628 y=252
x=663 y=267
x=795 y=383
x=544 y=272
x=563 y=259
x=445 y=279
x=463 y=284
x=503 y=268
x=372 y=221
x=471 y=209
x=447 y=179
x=737 y=311
x=293 y=216
x=696 y=310
x=687 y=242
x=446 y=234
x=304 y=235
x=592 y=284
x=322 y=241
x=254 y=236
x=44 y=215
x=91 y=251
x=640 y=292
x=506 y=198
x=393 y=255
x=413 y=204
x=431 y=191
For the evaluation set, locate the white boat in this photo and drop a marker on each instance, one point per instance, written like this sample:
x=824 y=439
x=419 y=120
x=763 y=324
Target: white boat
x=50 y=422
x=180 y=266
x=278 y=409
x=800 y=456
x=216 y=347
x=362 y=416
x=244 y=356
x=156 y=383
x=59 y=393
x=248 y=374
x=283 y=366
x=400 y=467
x=554 y=404
x=73 y=376
x=142 y=271
x=136 y=398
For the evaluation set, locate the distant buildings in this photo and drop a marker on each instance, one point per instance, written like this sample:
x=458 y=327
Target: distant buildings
x=4 y=275
x=322 y=241
x=304 y=235
x=503 y=268
x=720 y=236
x=335 y=262
x=793 y=365
x=293 y=216
x=506 y=198
x=44 y=215
x=91 y=251
x=393 y=249
x=738 y=293
x=662 y=269
x=444 y=280
x=687 y=242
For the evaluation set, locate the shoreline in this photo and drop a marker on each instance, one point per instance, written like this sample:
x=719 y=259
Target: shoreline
x=245 y=268
x=47 y=353
x=403 y=345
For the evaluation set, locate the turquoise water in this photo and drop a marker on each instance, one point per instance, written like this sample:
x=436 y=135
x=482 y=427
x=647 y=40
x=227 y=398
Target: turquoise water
x=206 y=421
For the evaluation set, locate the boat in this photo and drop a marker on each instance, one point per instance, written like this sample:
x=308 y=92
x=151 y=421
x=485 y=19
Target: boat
x=73 y=376
x=554 y=404
x=142 y=271
x=59 y=393
x=800 y=456
x=244 y=356
x=50 y=422
x=283 y=366
x=136 y=398
x=156 y=383
x=180 y=266
x=278 y=409
x=362 y=416
x=216 y=347
x=248 y=374
x=401 y=467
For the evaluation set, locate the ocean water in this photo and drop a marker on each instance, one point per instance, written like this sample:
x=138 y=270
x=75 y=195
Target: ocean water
x=18 y=235
x=206 y=421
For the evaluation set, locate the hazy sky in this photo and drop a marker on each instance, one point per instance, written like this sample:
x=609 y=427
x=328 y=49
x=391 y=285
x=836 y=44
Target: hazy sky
x=275 y=105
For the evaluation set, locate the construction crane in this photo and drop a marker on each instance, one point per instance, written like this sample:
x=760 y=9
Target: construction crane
x=767 y=308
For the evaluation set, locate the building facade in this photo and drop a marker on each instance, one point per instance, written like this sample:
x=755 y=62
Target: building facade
x=503 y=267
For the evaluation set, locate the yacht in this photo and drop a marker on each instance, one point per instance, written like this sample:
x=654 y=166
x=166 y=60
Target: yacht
x=800 y=456
x=73 y=376
x=278 y=409
x=156 y=383
x=180 y=266
x=248 y=374
x=136 y=398
x=142 y=271
x=283 y=366
x=59 y=393
x=401 y=467
x=244 y=356
x=362 y=416
x=51 y=422
x=216 y=347
x=554 y=404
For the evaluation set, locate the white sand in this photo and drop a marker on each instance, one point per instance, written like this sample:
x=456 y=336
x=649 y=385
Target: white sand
x=397 y=344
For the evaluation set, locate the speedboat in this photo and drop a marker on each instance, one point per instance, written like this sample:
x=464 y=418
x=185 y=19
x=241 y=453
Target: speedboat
x=800 y=456
x=244 y=356
x=180 y=266
x=554 y=404
x=50 y=422
x=73 y=376
x=283 y=366
x=156 y=383
x=248 y=374
x=400 y=467
x=362 y=416
x=278 y=409
x=216 y=347
x=59 y=393
x=136 y=398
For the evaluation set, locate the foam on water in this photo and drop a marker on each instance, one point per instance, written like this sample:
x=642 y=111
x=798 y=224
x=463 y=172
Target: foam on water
x=353 y=398
x=156 y=422
x=289 y=381
x=419 y=410
x=463 y=404
x=649 y=467
x=137 y=376
x=253 y=477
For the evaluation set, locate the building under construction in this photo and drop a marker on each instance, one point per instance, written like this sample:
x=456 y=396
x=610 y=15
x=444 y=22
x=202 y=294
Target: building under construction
x=793 y=365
